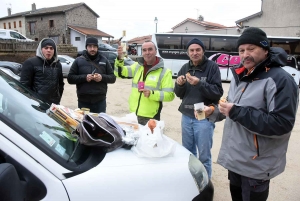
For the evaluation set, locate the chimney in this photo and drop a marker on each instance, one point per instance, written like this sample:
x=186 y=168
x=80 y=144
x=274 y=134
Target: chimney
x=9 y=11
x=33 y=7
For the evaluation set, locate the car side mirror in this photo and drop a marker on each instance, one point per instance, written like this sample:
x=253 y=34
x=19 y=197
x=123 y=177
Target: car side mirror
x=11 y=187
x=68 y=62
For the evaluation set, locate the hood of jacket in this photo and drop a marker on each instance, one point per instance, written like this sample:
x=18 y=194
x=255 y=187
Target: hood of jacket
x=39 y=52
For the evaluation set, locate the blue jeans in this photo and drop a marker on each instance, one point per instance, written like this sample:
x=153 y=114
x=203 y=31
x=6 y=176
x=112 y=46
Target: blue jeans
x=198 y=135
x=97 y=107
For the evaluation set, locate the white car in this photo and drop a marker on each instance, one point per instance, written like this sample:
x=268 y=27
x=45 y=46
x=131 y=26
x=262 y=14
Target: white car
x=11 y=34
x=66 y=63
x=38 y=161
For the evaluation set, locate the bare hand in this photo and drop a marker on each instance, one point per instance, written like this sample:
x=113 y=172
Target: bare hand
x=225 y=108
x=207 y=110
x=97 y=77
x=193 y=80
x=89 y=77
x=181 y=80
x=146 y=92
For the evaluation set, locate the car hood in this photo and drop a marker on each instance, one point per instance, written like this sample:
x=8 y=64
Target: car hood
x=124 y=176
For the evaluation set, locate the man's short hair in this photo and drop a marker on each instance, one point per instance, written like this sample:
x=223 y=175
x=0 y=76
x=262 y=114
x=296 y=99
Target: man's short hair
x=147 y=41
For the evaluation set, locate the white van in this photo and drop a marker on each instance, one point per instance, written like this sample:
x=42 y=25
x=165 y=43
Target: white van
x=11 y=34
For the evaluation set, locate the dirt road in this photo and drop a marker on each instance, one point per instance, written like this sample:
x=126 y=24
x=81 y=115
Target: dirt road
x=284 y=187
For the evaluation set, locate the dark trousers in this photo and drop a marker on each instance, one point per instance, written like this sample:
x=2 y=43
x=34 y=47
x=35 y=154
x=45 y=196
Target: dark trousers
x=247 y=189
x=97 y=107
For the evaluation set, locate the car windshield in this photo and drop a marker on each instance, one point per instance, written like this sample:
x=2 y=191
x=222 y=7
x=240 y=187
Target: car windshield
x=30 y=117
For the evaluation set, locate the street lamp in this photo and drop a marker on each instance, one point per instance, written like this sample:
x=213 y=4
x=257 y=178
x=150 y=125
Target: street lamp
x=186 y=29
x=155 y=21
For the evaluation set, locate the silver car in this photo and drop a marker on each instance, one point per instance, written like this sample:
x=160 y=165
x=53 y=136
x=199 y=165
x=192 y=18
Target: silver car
x=66 y=62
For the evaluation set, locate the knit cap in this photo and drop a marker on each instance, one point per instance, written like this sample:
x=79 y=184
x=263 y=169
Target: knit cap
x=195 y=41
x=91 y=41
x=48 y=42
x=255 y=36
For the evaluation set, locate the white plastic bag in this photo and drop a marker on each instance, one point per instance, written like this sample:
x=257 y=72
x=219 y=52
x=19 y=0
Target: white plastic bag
x=153 y=144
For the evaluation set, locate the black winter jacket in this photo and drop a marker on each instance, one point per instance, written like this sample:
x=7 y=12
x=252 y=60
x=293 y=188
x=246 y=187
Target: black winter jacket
x=209 y=89
x=93 y=91
x=44 y=77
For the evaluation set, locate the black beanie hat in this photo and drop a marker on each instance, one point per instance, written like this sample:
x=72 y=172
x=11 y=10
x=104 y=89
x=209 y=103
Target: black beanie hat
x=91 y=41
x=195 y=41
x=255 y=36
x=49 y=42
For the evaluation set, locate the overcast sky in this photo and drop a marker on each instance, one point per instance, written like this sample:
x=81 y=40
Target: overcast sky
x=137 y=16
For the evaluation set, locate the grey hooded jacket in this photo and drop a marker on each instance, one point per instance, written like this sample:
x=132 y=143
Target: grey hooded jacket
x=44 y=77
x=257 y=131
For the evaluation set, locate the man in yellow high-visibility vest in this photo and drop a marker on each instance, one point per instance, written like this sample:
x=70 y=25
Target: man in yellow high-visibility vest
x=152 y=83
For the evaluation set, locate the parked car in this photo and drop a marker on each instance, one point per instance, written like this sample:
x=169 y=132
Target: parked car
x=111 y=56
x=66 y=62
x=39 y=160
x=10 y=73
x=106 y=47
x=11 y=34
x=16 y=68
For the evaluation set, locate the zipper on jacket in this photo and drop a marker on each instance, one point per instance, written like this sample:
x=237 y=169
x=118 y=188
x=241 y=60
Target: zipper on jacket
x=139 y=101
x=254 y=135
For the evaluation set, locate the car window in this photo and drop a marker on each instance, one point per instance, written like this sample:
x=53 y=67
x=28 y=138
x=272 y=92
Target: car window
x=2 y=33
x=31 y=118
x=14 y=35
x=62 y=60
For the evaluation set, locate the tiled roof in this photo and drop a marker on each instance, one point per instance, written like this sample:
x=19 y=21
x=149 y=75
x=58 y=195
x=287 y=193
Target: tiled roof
x=140 y=40
x=208 y=25
x=50 y=10
x=90 y=31
x=15 y=15
x=249 y=17
x=58 y=9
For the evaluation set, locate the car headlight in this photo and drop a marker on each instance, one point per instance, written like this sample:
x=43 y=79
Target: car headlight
x=198 y=172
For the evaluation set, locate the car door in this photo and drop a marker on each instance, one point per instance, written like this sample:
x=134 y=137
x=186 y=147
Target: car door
x=36 y=181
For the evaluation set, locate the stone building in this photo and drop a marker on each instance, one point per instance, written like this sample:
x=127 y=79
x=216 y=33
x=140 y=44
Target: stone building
x=66 y=24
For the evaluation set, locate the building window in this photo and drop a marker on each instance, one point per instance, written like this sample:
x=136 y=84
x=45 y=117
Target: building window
x=9 y=25
x=51 y=23
x=32 y=28
x=15 y=24
x=36 y=39
x=20 y=23
x=77 y=38
x=4 y=25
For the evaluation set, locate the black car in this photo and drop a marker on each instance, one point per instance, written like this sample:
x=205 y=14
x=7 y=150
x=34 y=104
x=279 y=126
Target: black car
x=16 y=68
x=111 y=56
x=106 y=47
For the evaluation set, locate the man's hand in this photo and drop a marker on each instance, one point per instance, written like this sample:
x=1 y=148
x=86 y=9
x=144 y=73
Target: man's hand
x=207 y=110
x=89 y=77
x=225 y=108
x=146 y=92
x=97 y=77
x=181 y=80
x=193 y=80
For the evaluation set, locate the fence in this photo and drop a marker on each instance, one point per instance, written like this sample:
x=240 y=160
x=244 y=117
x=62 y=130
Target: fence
x=13 y=46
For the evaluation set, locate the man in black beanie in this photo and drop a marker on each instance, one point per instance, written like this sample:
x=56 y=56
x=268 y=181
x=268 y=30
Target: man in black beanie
x=91 y=73
x=199 y=80
x=43 y=73
x=260 y=114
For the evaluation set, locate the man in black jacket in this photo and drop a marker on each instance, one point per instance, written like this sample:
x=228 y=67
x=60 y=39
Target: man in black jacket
x=91 y=73
x=43 y=73
x=199 y=80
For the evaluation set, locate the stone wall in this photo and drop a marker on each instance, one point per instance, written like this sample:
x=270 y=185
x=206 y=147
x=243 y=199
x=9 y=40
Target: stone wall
x=22 y=56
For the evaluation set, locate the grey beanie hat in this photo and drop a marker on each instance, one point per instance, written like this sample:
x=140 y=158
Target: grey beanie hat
x=255 y=36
